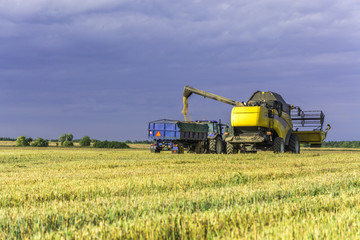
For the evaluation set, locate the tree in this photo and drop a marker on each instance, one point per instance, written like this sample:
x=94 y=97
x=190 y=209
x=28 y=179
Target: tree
x=65 y=137
x=62 y=139
x=22 y=142
x=107 y=144
x=346 y=144
x=40 y=142
x=29 y=140
x=85 y=141
x=69 y=137
x=68 y=144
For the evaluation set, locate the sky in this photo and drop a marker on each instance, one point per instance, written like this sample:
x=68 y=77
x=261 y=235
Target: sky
x=106 y=68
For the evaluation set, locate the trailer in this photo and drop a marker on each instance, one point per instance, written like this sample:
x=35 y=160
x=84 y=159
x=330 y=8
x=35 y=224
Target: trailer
x=203 y=136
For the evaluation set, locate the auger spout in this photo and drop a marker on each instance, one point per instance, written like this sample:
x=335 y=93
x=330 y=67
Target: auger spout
x=188 y=91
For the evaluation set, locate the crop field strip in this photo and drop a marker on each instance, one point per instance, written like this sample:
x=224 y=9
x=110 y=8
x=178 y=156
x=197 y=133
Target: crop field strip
x=132 y=194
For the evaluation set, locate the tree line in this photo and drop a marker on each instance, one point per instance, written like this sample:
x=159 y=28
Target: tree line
x=66 y=140
x=139 y=142
x=341 y=144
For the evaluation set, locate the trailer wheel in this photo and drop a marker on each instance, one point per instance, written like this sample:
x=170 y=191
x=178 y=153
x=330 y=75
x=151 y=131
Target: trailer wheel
x=294 y=144
x=154 y=148
x=279 y=145
x=199 y=148
x=181 y=148
x=229 y=148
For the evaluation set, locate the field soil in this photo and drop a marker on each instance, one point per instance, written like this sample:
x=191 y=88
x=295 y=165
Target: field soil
x=86 y=193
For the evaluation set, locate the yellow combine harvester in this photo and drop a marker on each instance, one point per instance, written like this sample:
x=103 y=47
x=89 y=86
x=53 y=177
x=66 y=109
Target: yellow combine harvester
x=266 y=122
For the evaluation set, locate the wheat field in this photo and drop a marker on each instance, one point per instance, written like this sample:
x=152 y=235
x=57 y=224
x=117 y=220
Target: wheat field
x=86 y=193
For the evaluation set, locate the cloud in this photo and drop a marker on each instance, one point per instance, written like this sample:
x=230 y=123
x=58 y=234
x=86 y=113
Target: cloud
x=124 y=58
x=20 y=9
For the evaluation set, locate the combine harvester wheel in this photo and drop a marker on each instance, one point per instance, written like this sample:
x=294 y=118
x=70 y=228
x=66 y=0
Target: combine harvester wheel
x=279 y=145
x=294 y=144
x=230 y=148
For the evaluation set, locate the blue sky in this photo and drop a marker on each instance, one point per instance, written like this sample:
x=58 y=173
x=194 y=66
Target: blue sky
x=106 y=68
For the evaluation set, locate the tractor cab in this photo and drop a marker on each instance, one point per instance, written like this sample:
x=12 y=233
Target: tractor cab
x=215 y=127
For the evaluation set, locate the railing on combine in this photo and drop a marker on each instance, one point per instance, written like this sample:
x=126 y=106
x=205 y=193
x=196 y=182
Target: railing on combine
x=308 y=119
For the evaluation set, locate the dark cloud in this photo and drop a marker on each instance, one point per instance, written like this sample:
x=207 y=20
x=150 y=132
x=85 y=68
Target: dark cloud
x=106 y=68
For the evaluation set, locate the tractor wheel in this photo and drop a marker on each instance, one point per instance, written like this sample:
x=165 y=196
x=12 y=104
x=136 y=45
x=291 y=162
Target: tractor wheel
x=212 y=145
x=229 y=148
x=219 y=145
x=216 y=145
x=279 y=145
x=294 y=144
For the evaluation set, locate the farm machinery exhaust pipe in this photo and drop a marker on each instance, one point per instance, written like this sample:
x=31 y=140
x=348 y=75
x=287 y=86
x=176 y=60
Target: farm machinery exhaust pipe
x=188 y=91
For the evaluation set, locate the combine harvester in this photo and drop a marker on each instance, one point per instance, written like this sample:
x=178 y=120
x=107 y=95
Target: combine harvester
x=266 y=122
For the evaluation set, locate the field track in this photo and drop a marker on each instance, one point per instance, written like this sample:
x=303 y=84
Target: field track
x=130 y=194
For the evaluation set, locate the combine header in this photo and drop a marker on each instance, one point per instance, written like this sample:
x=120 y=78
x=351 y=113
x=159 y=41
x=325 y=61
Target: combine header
x=310 y=124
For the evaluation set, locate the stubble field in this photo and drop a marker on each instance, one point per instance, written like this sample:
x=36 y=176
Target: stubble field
x=77 y=193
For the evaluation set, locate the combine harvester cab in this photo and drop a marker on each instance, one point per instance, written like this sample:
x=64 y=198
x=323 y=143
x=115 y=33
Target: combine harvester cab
x=308 y=125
